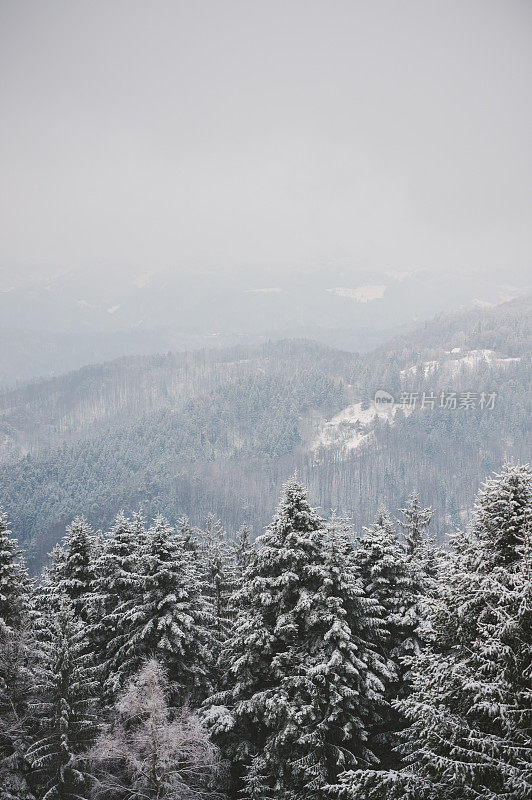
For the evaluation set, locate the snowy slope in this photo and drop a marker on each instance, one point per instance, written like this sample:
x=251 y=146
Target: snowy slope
x=456 y=360
x=352 y=427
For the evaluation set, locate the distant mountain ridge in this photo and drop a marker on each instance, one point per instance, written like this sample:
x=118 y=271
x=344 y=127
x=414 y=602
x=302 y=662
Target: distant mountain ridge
x=505 y=327
x=218 y=431
x=65 y=321
x=80 y=403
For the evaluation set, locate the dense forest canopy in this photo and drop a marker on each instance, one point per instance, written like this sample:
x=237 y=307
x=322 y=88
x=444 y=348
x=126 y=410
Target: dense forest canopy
x=159 y=661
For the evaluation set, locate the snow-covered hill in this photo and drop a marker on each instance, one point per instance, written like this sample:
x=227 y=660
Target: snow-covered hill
x=352 y=427
x=458 y=359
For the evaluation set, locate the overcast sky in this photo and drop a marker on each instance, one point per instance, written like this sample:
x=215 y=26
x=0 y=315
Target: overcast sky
x=263 y=135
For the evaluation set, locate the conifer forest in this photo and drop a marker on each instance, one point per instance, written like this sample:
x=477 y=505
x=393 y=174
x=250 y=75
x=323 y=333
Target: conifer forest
x=161 y=660
x=265 y=400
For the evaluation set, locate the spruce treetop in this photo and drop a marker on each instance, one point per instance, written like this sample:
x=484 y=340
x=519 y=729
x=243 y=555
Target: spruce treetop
x=305 y=673
x=503 y=519
x=14 y=582
x=414 y=523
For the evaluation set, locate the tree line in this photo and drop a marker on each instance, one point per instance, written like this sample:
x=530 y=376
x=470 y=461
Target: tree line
x=159 y=661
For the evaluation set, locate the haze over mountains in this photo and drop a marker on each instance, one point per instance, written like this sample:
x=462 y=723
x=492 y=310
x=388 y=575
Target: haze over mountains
x=265 y=305
x=65 y=320
x=220 y=430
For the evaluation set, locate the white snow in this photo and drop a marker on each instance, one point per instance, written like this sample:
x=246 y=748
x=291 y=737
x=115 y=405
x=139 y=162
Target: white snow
x=469 y=359
x=474 y=357
x=351 y=427
x=429 y=367
x=363 y=294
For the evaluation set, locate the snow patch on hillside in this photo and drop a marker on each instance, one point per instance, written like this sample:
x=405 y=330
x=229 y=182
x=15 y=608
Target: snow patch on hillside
x=468 y=359
x=351 y=428
x=363 y=294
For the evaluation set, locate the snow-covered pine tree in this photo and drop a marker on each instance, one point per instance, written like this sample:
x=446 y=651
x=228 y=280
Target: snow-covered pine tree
x=167 y=620
x=139 y=526
x=77 y=568
x=305 y=671
x=14 y=585
x=414 y=524
x=16 y=658
x=117 y=588
x=217 y=575
x=386 y=574
x=424 y=559
x=365 y=618
x=242 y=549
x=49 y=597
x=188 y=534
x=470 y=711
x=503 y=515
x=64 y=709
x=17 y=668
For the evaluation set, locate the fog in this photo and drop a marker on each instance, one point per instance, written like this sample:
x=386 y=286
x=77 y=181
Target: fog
x=264 y=136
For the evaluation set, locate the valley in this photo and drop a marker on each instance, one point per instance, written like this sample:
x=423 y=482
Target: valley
x=218 y=431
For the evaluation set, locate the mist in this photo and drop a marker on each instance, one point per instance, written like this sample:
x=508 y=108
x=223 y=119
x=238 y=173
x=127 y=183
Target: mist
x=265 y=340
x=252 y=139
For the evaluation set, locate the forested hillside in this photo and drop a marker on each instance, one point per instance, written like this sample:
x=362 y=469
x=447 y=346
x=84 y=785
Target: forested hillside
x=155 y=661
x=218 y=431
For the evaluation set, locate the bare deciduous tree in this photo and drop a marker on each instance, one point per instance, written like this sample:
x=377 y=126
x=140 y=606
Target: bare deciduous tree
x=150 y=751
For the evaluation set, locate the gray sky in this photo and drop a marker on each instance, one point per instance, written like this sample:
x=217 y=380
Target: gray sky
x=263 y=134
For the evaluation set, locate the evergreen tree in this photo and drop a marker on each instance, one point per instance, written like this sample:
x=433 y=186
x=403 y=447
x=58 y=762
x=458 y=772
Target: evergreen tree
x=188 y=534
x=17 y=669
x=64 y=709
x=49 y=596
x=242 y=551
x=387 y=577
x=77 y=570
x=470 y=711
x=425 y=561
x=305 y=673
x=167 y=618
x=414 y=524
x=14 y=585
x=117 y=588
x=216 y=574
x=503 y=517
x=16 y=656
